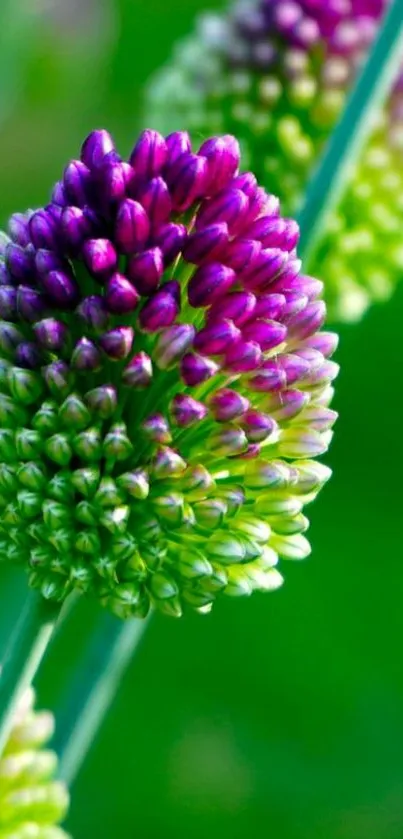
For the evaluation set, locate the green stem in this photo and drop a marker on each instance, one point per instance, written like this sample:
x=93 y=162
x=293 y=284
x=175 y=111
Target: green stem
x=96 y=683
x=24 y=655
x=355 y=125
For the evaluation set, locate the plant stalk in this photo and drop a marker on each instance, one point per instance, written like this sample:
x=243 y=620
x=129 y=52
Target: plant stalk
x=97 y=680
x=26 y=649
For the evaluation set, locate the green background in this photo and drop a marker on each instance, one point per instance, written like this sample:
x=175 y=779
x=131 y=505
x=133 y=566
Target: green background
x=277 y=716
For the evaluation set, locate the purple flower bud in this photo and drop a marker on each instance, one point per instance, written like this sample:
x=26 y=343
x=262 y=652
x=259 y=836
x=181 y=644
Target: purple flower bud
x=270 y=306
x=160 y=310
x=308 y=321
x=242 y=254
x=223 y=156
x=170 y=238
x=238 y=306
x=31 y=303
x=230 y=205
x=132 y=226
x=178 y=143
x=267 y=333
x=324 y=342
x=117 y=343
x=247 y=182
x=62 y=289
x=139 y=371
x=267 y=266
x=149 y=154
x=18 y=229
x=146 y=269
x=8 y=302
x=51 y=334
x=112 y=178
x=209 y=283
x=86 y=356
x=75 y=227
x=243 y=357
x=46 y=261
x=295 y=302
x=258 y=426
x=206 y=245
x=120 y=295
x=100 y=257
x=281 y=233
x=93 y=311
x=311 y=287
x=5 y=276
x=20 y=262
x=227 y=404
x=77 y=183
x=28 y=356
x=157 y=429
x=95 y=148
x=185 y=410
x=172 y=343
x=154 y=196
x=186 y=179
x=102 y=401
x=10 y=338
x=217 y=337
x=59 y=196
x=59 y=378
x=285 y=404
x=196 y=369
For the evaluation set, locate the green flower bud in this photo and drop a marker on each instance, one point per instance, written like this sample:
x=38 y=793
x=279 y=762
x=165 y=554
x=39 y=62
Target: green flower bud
x=163 y=586
x=257 y=529
x=32 y=475
x=211 y=512
x=86 y=513
x=115 y=520
x=30 y=503
x=294 y=546
x=28 y=444
x=108 y=494
x=86 y=480
x=196 y=481
x=60 y=487
x=11 y=414
x=88 y=444
x=8 y=480
x=135 y=483
x=169 y=508
x=270 y=474
x=289 y=525
x=8 y=452
x=74 y=413
x=277 y=505
x=102 y=401
x=88 y=542
x=116 y=443
x=55 y=515
x=105 y=566
x=226 y=548
x=123 y=547
x=58 y=448
x=193 y=564
x=62 y=540
x=301 y=442
x=25 y=385
x=167 y=463
x=46 y=419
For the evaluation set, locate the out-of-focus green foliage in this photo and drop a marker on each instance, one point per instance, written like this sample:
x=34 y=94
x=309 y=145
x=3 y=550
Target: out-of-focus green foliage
x=277 y=716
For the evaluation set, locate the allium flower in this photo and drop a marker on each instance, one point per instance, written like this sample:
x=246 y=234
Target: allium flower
x=276 y=73
x=31 y=802
x=164 y=385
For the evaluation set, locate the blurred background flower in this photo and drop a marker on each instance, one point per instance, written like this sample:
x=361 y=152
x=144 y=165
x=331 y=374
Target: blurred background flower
x=276 y=74
x=32 y=803
x=280 y=713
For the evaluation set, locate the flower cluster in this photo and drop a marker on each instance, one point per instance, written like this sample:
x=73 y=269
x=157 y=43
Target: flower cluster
x=276 y=74
x=31 y=802
x=163 y=383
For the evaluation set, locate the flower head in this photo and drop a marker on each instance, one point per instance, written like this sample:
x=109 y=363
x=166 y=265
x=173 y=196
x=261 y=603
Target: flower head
x=32 y=803
x=164 y=385
x=276 y=74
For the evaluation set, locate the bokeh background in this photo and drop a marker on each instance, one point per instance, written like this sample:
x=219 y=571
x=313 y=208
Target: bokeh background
x=277 y=716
